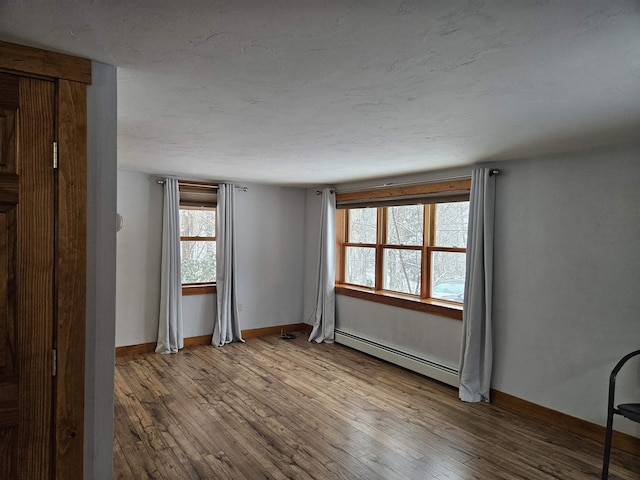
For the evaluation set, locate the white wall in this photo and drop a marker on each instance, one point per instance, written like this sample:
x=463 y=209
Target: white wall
x=270 y=232
x=101 y=272
x=198 y=314
x=428 y=336
x=311 y=245
x=270 y=261
x=567 y=277
x=138 y=260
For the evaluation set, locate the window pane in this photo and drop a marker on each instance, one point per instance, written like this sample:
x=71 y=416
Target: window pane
x=448 y=272
x=405 y=225
x=198 y=261
x=197 y=223
x=451 y=224
x=360 y=266
x=362 y=225
x=402 y=270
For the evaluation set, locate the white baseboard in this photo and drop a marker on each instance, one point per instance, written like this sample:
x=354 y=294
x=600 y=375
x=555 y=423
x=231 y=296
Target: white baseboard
x=409 y=361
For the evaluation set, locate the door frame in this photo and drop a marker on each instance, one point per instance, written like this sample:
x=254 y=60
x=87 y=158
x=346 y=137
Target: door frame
x=71 y=76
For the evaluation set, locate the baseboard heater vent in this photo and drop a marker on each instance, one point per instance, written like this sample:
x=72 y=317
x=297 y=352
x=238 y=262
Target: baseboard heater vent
x=411 y=362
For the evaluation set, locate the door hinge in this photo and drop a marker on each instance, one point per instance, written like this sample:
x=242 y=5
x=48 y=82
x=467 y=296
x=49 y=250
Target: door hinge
x=55 y=155
x=54 y=354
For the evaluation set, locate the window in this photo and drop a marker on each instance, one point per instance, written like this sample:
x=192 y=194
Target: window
x=198 y=245
x=197 y=237
x=409 y=255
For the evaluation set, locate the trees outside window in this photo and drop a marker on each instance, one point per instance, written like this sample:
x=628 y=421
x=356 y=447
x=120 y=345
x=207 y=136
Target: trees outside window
x=415 y=250
x=198 y=201
x=198 y=245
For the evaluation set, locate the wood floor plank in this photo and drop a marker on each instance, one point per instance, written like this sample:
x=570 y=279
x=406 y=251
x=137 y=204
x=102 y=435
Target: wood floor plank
x=277 y=409
x=373 y=422
x=120 y=464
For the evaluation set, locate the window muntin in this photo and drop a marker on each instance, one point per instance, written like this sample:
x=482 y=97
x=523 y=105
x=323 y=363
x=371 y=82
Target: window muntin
x=198 y=245
x=419 y=250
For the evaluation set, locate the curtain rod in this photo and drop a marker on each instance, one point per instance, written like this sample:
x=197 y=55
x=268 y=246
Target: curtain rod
x=213 y=187
x=492 y=172
x=400 y=184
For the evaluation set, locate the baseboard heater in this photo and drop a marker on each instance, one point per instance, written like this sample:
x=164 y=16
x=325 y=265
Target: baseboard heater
x=406 y=360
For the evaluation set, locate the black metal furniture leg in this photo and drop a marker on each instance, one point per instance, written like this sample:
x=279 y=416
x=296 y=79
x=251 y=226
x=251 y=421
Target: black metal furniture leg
x=607 y=446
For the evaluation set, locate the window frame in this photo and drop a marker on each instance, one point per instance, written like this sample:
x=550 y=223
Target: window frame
x=197 y=288
x=377 y=293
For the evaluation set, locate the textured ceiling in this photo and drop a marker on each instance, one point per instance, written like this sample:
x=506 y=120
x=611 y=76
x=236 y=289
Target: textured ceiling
x=309 y=92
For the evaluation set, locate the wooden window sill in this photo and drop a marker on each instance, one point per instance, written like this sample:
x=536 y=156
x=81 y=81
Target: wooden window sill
x=198 y=289
x=434 y=307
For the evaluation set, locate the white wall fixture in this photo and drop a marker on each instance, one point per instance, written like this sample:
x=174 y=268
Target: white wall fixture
x=432 y=369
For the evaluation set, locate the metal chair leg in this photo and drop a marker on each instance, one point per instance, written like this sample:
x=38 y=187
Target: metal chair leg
x=607 y=445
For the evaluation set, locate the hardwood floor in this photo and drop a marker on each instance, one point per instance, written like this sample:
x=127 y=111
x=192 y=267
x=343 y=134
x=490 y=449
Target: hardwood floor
x=273 y=408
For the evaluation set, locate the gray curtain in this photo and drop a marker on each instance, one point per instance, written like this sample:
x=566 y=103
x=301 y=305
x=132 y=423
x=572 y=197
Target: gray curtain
x=476 y=356
x=170 y=338
x=325 y=308
x=227 y=326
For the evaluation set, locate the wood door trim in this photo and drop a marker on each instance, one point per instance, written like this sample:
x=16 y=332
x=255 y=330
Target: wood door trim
x=71 y=279
x=29 y=60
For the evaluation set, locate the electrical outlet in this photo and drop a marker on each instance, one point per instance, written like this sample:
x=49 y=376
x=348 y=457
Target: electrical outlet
x=239 y=307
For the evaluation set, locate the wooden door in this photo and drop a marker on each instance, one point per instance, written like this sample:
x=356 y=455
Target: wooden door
x=27 y=200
